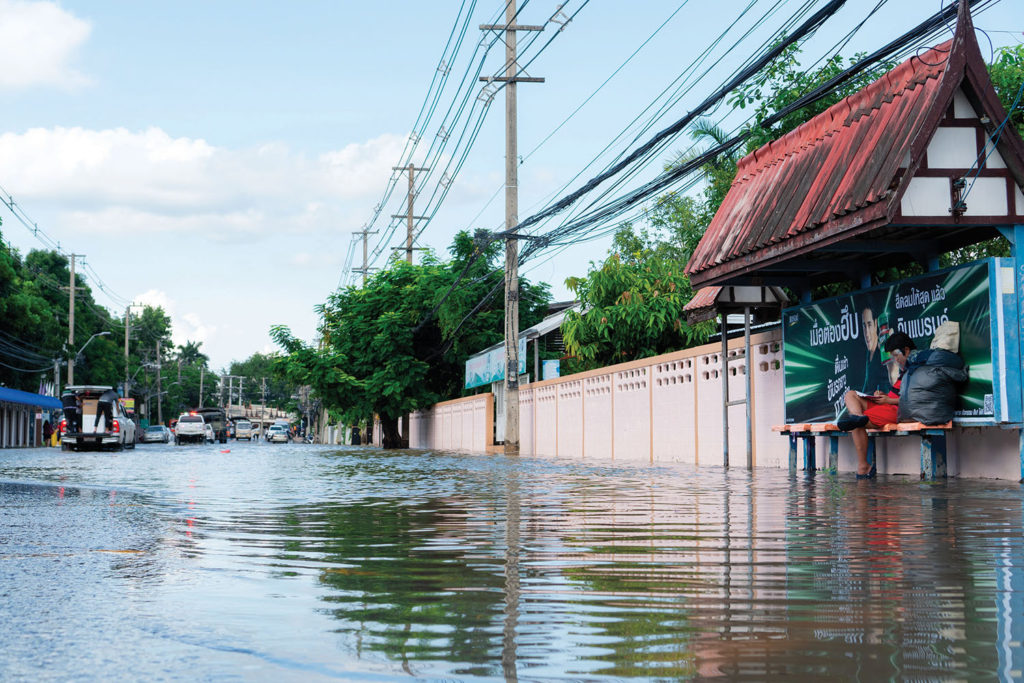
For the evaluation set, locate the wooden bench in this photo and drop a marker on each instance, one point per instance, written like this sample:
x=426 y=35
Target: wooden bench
x=933 y=444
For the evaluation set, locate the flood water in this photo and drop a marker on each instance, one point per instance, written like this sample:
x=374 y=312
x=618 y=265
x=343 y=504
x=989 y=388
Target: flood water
x=296 y=562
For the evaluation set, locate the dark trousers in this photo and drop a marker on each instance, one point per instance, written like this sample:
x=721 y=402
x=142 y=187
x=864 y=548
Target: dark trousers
x=107 y=411
x=73 y=416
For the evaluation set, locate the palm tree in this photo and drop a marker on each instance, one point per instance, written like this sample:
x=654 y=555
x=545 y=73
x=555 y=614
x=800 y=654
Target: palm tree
x=190 y=354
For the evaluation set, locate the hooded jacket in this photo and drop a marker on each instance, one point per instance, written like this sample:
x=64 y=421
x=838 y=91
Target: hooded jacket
x=929 y=389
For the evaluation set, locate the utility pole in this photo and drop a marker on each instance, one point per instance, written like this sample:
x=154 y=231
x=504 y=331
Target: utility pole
x=511 y=221
x=408 y=216
x=202 y=375
x=366 y=263
x=159 y=398
x=263 y=401
x=71 y=320
x=127 y=335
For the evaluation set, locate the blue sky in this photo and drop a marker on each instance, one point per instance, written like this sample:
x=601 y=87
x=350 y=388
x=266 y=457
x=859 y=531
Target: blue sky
x=213 y=157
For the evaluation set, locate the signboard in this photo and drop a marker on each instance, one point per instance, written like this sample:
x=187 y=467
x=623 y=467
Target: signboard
x=835 y=345
x=128 y=404
x=490 y=366
x=551 y=368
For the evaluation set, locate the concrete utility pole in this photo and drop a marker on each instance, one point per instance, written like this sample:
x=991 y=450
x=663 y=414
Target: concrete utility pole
x=202 y=376
x=127 y=335
x=408 y=216
x=511 y=221
x=71 y=320
x=366 y=263
x=159 y=398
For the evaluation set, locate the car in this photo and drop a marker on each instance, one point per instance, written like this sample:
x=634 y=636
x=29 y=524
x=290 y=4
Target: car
x=208 y=429
x=191 y=428
x=243 y=430
x=157 y=434
x=91 y=426
x=277 y=434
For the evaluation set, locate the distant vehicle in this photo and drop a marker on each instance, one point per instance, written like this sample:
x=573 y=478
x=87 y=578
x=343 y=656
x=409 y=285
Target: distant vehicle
x=191 y=429
x=243 y=430
x=96 y=432
x=277 y=434
x=157 y=434
x=216 y=418
x=208 y=430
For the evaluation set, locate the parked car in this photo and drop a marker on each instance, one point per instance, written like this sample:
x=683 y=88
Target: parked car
x=243 y=430
x=208 y=429
x=157 y=434
x=113 y=430
x=191 y=429
x=277 y=434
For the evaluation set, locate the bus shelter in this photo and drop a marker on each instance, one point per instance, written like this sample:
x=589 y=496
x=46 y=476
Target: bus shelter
x=916 y=165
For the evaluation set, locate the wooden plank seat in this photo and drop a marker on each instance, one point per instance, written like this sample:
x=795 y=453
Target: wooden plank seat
x=933 y=444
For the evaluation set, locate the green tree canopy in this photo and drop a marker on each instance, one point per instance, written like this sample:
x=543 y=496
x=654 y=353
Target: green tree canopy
x=401 y=342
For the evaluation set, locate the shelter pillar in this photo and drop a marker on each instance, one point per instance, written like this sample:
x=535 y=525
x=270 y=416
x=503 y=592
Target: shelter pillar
x=1013 y=337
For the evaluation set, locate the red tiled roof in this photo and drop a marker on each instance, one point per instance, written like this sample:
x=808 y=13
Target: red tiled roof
x=844 y=160
x=704 y=298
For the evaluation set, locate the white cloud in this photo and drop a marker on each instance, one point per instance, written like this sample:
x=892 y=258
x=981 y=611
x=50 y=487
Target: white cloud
x=184 y=327
x=38 y=42
x=121 y=181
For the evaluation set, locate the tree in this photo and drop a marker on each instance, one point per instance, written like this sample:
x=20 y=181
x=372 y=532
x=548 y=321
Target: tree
x=263 y=374
x=632 y=305
x=1007 y=73
x=400 y=343
x=784 y=81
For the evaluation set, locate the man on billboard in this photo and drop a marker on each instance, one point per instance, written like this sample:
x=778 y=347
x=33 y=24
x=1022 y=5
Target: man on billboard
x=876 y=377
x=876 y=409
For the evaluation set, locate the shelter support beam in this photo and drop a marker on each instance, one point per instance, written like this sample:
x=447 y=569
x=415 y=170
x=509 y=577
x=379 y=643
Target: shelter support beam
x=1015 y=235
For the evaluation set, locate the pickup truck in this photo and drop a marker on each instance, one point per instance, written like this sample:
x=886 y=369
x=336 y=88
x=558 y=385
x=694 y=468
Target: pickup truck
x=90 y=432
x=191 y=429
x=216 y=418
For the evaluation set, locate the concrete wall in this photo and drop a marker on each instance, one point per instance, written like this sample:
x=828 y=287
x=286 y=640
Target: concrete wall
x=668 y=409
x=662 y=409
x=463 y=424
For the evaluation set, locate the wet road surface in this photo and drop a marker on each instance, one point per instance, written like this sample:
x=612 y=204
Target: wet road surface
x=297 y=562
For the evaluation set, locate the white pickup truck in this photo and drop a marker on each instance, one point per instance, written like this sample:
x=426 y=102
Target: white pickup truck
x=81 y=429
x=191 y=428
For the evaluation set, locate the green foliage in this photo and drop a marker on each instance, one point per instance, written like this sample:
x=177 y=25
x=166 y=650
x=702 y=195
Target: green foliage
x=1007 y=73
x=264 y=380
x=633 y=309
x=383 y=352
x=784 y=81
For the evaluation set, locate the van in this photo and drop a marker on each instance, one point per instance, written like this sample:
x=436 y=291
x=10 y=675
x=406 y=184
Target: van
x=243 y=430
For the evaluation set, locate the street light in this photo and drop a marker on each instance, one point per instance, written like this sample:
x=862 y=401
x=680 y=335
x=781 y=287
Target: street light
x=71 y=361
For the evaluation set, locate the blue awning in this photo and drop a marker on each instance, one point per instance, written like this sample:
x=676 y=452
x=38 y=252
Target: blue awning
x=28 y=399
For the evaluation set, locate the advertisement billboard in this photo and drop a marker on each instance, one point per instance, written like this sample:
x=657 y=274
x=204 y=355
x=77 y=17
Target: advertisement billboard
x=834 y=345
x=489 y=366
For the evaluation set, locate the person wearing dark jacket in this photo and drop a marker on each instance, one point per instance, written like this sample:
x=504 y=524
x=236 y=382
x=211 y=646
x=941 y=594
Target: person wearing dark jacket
x=105 y=407
x=72 y=407
x=928 y=394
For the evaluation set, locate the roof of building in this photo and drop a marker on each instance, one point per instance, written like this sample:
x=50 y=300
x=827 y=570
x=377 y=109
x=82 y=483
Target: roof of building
x=842 y=174
x=29 y=399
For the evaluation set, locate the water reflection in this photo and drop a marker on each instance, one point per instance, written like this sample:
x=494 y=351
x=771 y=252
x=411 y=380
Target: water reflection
x=357 y=563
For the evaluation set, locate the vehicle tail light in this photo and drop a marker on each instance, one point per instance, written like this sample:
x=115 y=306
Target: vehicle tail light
x=116 y=427
x=63 y=425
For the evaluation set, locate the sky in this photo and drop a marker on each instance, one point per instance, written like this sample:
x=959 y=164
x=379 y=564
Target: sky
x=215 y=157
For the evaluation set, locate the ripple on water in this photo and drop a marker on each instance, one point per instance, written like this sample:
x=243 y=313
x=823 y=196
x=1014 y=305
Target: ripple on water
x=315 y=562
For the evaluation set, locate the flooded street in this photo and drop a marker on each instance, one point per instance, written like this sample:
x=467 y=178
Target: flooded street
x=295 y=562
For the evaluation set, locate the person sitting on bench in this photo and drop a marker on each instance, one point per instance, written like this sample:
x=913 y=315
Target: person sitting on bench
x=877 y=410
